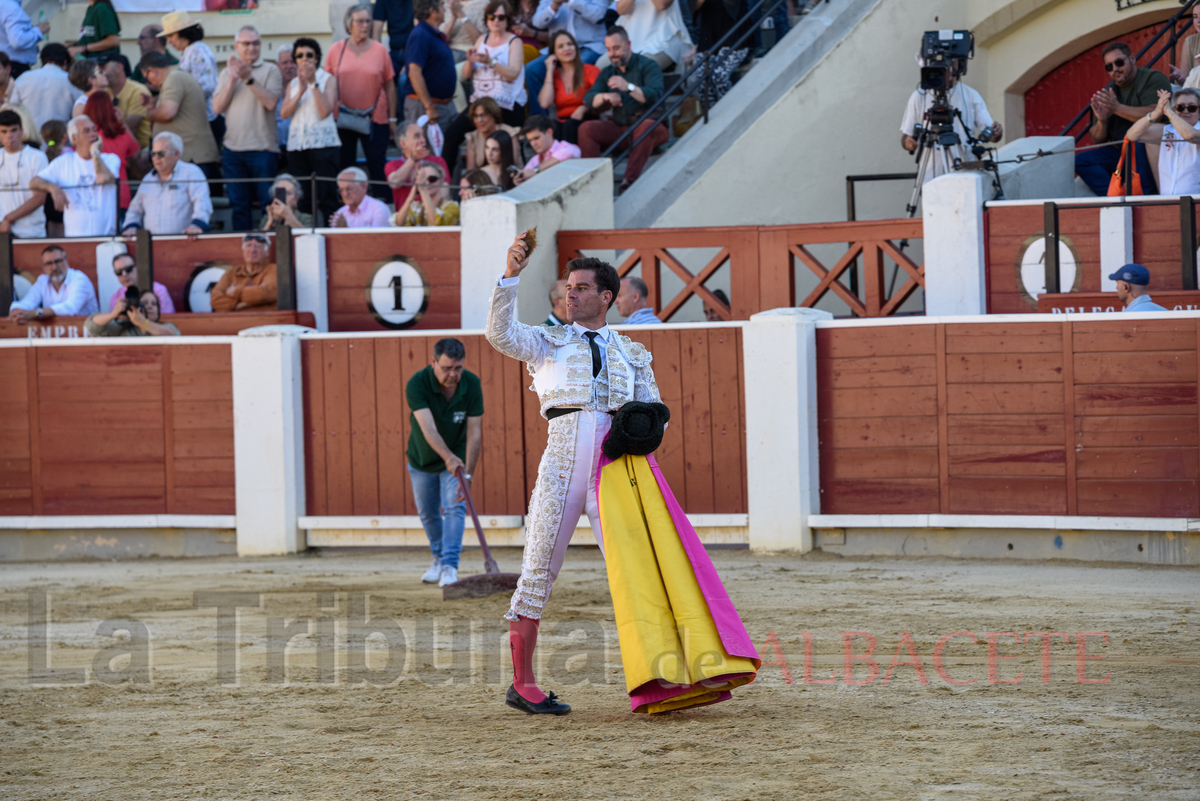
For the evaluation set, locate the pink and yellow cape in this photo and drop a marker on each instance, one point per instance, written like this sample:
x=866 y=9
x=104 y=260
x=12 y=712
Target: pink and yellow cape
x=682 y=642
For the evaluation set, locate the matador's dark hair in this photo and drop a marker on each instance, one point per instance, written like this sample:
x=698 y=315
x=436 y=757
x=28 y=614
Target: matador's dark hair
x=605 y=273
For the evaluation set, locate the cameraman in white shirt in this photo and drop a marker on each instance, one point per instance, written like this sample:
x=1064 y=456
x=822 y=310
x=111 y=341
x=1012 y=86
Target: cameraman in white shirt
x=83 y=183
x=975 y=118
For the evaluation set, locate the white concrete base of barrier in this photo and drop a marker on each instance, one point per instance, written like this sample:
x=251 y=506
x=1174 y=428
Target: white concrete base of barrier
x=1158 y=541
x=955 y=273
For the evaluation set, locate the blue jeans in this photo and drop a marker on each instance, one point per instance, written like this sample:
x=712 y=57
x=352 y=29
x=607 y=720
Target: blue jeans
x=441 y=515
x=248 y=164
x=535 y=76
x=401 y=70
x=1096 y=168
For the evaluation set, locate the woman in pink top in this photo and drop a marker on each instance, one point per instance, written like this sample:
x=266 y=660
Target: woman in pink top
x=366 y=84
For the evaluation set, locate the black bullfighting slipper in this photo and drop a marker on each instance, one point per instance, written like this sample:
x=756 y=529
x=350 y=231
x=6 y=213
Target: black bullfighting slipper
x=550 y=706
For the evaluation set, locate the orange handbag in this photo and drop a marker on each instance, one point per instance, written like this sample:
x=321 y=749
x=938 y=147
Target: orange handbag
x=1116 y=184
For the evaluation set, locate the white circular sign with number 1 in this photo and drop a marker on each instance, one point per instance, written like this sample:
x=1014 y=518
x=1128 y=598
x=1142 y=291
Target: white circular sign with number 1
x=398 y=294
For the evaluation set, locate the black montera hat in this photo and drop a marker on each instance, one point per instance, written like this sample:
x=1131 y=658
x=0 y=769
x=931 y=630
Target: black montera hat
x=637 y=429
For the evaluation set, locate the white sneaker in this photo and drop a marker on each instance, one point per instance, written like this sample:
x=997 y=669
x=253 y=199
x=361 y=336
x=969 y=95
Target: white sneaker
x=449 y=576
x=433 y=573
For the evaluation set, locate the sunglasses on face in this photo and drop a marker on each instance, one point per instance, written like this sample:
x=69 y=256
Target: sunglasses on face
x=158 y=154
x=1116 y=63
x=499 y=17
x=262 y=240
x=433 y=179
x=306 y=55
x=59 y=260
x=124 y=270
x=255 y=43
x=1187 y=108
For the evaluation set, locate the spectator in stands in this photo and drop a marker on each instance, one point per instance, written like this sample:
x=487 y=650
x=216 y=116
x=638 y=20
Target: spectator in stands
x=172 y=198
x=23 y=209
x=48 y=92
x=558 y=304
x=29 y=129
x=656 y=30
x=86 y=76
x=398 y=14
x=286 y=211
x=196 y=59
x=633 y=302
x=143 y=320
x=499 y=164
x=401 y=172
x=566 y=68
x=101 y=31
x=710 y=312
x=360 y=210
x=975 y=118
x=715 y=18
x=124 y=265
x=7 y=82
x=286 y=62
x=462 y=25
x=486 y=115
x=115 y=138
x=148 y=42
x=584 y=19
x=1133 y=289
x=629 y=85
x=476 y=183
x=58 y=292
x=179 y=109
x=313 y=143
x=1183 y=74
x=539 y=132
x=251 y=286
x=1178 y=156
x=19 y=37
x=131 y=97
x=248 y=91
x=367 y=87
x=445 y=436
x=83 y=183
x=434 y=193
x=1114 y=111
x=522 y=25
x=430 y=64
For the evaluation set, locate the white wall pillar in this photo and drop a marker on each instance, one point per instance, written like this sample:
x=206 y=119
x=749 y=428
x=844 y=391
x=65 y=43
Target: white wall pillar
x=575 y=195
x=106 y=280
x=268 y=430
x=312 y=285
x=954 y=267
x=780 y=365
x=1116 y=243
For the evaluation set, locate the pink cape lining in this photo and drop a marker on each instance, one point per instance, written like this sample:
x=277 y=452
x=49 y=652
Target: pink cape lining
x=729 y=624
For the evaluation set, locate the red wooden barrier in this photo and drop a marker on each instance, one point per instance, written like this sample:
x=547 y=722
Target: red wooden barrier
x=357 y=422
x=116 y=429
x=1061 y=417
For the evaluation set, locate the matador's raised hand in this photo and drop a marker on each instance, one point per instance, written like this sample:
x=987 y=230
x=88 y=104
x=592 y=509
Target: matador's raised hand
x=518 y=255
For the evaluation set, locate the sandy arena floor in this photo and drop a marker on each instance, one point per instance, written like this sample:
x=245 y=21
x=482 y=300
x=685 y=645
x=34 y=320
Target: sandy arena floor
x=440 y=730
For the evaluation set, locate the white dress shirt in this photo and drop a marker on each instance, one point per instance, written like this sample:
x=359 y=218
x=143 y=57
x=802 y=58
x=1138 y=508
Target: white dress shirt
x=168 y=208
x=75 y=297
x=16 y=170
x=18 y=37
x=47 y=93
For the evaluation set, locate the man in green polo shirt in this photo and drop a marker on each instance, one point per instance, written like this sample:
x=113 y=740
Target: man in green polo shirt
x=445 y=434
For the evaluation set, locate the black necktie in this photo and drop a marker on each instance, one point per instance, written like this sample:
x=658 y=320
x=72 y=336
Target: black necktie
x=591 y=335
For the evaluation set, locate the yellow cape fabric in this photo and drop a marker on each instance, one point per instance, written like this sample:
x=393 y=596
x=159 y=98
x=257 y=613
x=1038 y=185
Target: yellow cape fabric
x=663 y=622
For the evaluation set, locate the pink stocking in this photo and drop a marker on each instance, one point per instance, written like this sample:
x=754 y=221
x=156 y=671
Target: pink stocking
x=522 y=638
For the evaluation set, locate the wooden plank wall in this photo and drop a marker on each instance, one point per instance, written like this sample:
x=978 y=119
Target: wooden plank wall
x=1088 y=418
x=1010 y=227
x=103 y=430
x=357 y=422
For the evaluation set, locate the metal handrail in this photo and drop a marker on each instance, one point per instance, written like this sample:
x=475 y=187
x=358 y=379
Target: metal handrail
x=1171 y=23
x=758 y=12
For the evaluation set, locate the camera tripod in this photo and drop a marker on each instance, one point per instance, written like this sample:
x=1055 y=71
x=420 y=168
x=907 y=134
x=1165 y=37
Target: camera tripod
x=939 y=130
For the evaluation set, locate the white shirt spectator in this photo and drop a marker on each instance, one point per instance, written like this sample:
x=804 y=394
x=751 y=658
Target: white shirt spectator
x=47 y=93
x=584 y=19
x=18 y=38
x=652 y=31
x=169 y=208
x=1178 y=164
x=309 y=131
x=16 y=170
x=560 y=150
x=91 y=209
x=76 y=296
x=974 y=115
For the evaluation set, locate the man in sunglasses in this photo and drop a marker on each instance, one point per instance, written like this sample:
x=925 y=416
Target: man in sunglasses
x=173 y=197
x=1115 y=108
x=250 y=286
x=125 y=266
